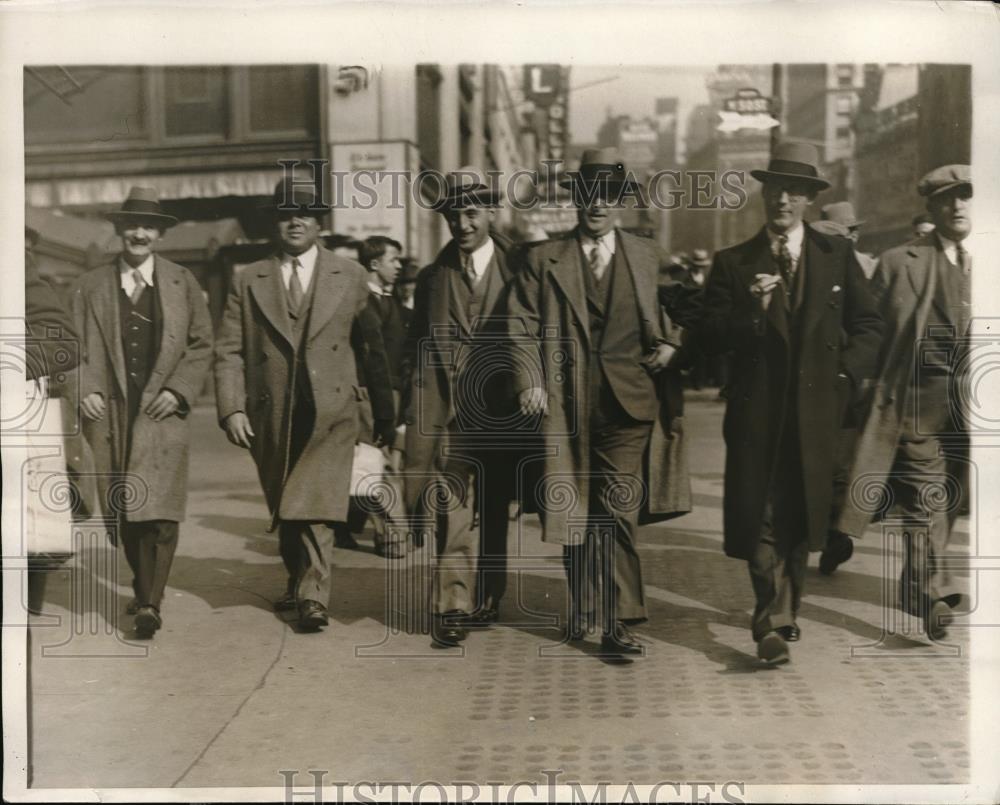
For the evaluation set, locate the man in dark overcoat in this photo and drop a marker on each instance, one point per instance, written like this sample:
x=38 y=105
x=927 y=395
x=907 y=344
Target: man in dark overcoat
x=147 y=341
x=287 y=388
x=781 y=302
x=589 y=333
x=916 y=434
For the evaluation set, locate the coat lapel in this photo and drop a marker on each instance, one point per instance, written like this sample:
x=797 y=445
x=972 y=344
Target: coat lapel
x=443 y=298
x=170 y=287
x=638 y=256
x=496 y=278
x=757 y=260
x=269 y=292
x=567 y=273
x=818 y=285
x=104 y=303
x=327 y=294
x=921 y=271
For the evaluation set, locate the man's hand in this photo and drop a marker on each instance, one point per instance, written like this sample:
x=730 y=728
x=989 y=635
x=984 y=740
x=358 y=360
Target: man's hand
x=762 y=287
x=93 y=406
x=238 y=429
x=533 y=401
x=165 y=404
x=384 y=432
x=659 y=357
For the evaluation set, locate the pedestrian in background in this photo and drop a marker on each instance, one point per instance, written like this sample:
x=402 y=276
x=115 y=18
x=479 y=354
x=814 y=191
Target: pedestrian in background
x=781 y=301
x=842 y=212
x=287 y=390
x=916 y=436
x=147 y=340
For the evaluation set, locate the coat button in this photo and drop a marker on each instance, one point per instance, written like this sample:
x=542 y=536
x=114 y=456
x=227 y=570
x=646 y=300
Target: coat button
x=335 y=347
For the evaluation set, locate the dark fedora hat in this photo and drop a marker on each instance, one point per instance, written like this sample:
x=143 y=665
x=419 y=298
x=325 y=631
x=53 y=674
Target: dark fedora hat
x=142 y=204
x=296 y=194
x=603 y=167
x=793 y=161
x=467 y=187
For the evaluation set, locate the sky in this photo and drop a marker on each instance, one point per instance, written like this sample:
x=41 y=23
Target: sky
x=633 y=91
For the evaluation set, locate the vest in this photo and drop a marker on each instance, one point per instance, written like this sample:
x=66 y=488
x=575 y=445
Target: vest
x=140 y=328
x=300 y=325
x=470 y=298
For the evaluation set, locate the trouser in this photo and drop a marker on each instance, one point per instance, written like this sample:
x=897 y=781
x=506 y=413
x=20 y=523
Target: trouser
x=921 y=476
x=778 y=566
x=307 y=549
x=149 y=549
x=608 y=554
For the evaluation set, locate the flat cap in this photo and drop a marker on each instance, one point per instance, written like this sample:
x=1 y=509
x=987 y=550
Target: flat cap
x=945 y=178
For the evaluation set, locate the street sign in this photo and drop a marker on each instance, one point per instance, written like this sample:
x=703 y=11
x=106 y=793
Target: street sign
x=748 y=109
x=542 y=83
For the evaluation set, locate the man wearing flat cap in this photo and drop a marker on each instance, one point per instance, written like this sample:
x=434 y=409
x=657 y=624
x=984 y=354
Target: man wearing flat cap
x=458 y=407
x=588 y=324
x=147 y=341
x=287 y=388
x=794 y=306
x=916 y=436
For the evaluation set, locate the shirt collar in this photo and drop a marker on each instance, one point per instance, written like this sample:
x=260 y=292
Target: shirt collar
x=481 y=257
x=145 y=269
x=606 y=241
x=307 y=259
x=795 y=238
x=376 y=287
x=950 y=247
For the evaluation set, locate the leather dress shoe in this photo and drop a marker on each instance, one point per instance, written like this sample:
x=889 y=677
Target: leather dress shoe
x=481 y=618
x=773 y=649
x=621 y=642
x=937 y=620
x=790 y=634
x=147 y=620
x=445 y=629
x=839 y=548
x=132 y=607
x=287 y=603
x=392 y=550
x=312 y=616
x=343 y=538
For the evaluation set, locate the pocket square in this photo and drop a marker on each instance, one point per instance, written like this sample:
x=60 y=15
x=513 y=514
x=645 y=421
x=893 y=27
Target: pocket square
x=836 y=289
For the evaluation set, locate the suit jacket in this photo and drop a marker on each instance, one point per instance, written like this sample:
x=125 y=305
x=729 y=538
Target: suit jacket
x=838 y=331
x=550 y=333
x=156 y=486
x=443 y=351
x=256 y=372
x=909 y=278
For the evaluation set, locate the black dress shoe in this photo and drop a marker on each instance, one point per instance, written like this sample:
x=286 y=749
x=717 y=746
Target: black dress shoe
x=790 y=634
x=132 y=607
x=621 y=642
x=937 y=620
x=772 y=649
x=445 y=629
x=147 y=621
x=287 y=603
x=839 y=548
x=481 y=618
x=312 y=616
x=345 y=539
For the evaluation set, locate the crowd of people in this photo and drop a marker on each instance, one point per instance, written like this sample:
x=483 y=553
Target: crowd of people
x=549 y=375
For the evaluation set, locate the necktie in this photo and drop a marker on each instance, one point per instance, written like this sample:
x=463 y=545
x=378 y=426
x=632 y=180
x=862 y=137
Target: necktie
x=295 y=292
x=786 y=265
x=470 y=270
x=140 y=286
x=597 y=265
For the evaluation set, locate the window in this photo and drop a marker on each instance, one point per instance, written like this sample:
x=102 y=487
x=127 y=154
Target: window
x=843 y=132
x=84 y=104
x=196 y=102
x=845 y=75
x=283 y=99
x=843 y=104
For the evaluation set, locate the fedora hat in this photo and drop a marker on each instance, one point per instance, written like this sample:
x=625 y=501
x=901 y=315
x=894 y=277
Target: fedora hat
x=601 y=166
x=467 y=187
x=294 y=193
x=700 y=258
x=830 y=227
x=142 y=204
x=793 y=161
x=840 y=212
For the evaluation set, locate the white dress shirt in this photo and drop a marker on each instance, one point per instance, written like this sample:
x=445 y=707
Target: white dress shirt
x=481 y=258
x=605 y=246
x=950 y=249
x=308 y=262
x=128 y=278
x=377 y=288
x=795 y=238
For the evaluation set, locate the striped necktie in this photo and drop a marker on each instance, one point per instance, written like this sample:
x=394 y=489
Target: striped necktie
x=140 y=286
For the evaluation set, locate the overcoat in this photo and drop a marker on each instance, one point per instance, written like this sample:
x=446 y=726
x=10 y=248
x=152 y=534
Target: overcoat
x=435 y=345
x=256 y=372
x=908 y=276
x=157 y=467
x=550 y=333
x=839 y=332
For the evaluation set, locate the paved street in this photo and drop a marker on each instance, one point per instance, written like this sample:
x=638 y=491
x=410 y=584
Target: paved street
x=229 y=694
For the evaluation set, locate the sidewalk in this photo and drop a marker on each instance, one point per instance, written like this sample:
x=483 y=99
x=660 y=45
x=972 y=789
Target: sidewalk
x=228 y=694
